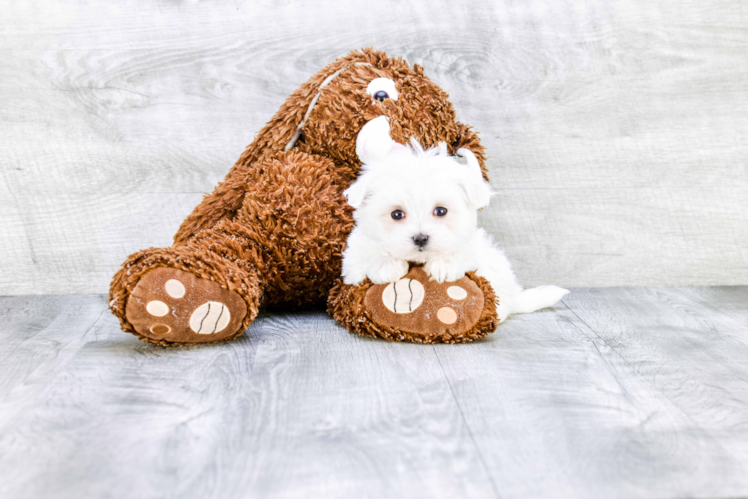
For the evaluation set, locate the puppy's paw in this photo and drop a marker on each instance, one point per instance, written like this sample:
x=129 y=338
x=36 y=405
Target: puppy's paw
x=388 y=271
x=442 y=270
x=353 y=276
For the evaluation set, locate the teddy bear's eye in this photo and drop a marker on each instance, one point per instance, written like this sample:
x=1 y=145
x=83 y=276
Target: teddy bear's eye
x=440 y=211
x=382 y=89
x=398 y=214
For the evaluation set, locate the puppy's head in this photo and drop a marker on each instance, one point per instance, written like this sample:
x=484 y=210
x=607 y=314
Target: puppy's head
x=419 y=204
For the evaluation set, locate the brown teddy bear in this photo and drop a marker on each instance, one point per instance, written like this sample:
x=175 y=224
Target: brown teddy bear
x=272 y=233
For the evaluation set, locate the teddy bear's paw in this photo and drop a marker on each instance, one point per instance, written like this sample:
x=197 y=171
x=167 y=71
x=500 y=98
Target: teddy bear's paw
x=169 y=305
x=418 y=308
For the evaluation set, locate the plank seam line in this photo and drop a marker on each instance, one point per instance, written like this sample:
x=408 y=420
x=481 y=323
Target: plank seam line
x=467 y=426
x=44 y=390
x=647 y=381
x=93 y=325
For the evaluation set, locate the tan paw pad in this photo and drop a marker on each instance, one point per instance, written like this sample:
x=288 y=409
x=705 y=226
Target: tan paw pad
x=175 y=289
x=160 y=329
x=446 y=315
x=457 y=292
x=211 y=317
x=157 y=308
x=403 y=296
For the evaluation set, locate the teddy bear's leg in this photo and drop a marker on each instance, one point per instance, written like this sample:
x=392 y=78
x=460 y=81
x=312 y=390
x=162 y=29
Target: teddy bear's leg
x=416 y=308
x=201 y=291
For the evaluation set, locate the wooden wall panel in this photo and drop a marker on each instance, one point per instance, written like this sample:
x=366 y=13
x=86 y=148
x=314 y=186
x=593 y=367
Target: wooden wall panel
x=617 y=132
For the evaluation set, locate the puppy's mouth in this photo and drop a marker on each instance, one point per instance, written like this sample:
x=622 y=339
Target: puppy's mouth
x=420 y=255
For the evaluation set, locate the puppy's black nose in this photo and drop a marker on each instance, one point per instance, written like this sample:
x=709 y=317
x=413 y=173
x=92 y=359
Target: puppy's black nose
x=420 y=240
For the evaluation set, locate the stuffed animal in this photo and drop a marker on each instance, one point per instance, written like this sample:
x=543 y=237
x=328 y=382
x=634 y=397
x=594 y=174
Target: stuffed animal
x=272 y=233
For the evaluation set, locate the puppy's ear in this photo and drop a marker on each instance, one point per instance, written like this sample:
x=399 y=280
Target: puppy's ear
x=478 y=192
x=357 y=193
x=476 y=188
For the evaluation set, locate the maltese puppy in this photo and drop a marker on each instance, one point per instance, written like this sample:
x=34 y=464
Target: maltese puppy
x=421 y=206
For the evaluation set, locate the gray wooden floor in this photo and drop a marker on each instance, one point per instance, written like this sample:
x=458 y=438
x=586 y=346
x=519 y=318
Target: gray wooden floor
x=616 y=392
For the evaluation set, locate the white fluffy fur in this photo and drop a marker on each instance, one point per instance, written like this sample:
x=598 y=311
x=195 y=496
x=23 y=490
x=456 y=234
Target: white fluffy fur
x=416 y=182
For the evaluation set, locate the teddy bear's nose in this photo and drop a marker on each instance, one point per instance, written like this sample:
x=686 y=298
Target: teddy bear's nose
x=420 y=240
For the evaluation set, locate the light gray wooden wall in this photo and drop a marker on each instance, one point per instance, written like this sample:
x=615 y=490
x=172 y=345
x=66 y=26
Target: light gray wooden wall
x=617 y=131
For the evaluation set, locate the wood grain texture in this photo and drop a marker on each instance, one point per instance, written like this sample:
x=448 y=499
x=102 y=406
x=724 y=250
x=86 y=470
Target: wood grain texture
x=639 y=392
x=617 y=132
x=608 y=397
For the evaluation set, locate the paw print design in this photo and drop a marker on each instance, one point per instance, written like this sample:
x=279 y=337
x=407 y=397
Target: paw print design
x=176 y=306
x=427 y=310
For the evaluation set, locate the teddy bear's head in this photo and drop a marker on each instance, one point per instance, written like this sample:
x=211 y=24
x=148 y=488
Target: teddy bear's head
x=326 y=115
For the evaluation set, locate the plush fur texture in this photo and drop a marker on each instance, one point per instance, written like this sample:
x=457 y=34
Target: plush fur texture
x=274 y=230
x=421 y=206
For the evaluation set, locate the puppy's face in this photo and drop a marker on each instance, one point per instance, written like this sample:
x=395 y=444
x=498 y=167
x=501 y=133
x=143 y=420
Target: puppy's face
x=417 y=222
x=417 y=205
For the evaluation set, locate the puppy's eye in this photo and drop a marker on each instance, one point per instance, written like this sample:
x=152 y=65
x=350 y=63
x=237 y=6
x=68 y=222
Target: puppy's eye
x=398 y=214
x=382 y=89
x=440 y=211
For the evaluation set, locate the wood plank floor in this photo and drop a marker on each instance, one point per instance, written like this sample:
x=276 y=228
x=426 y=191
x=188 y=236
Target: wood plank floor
x=615 y=392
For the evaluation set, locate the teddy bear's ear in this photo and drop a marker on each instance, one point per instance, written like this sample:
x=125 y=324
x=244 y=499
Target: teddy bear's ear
x=374 y=142
x=476 y=188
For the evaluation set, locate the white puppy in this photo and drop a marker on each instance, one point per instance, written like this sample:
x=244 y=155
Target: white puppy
x=421 y=206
